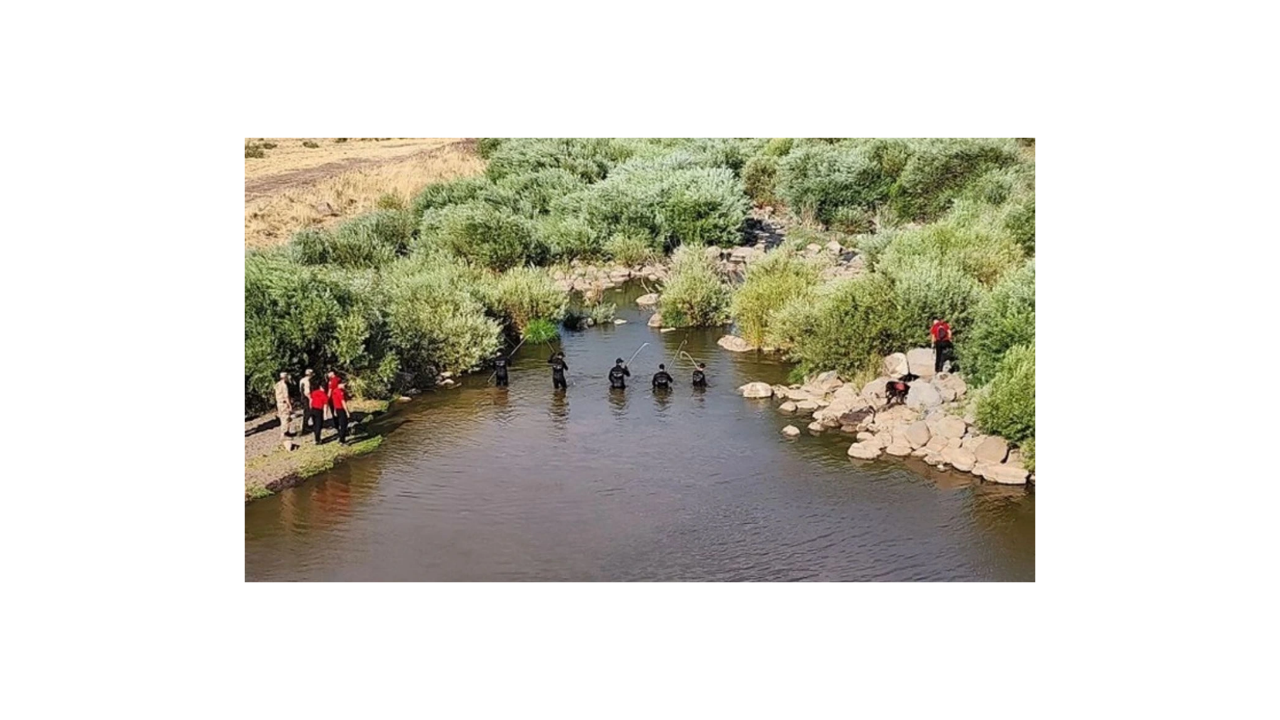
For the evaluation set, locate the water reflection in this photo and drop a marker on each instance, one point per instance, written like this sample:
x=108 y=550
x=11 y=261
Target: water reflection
x=661 y=399
x=559 y=412
x=618 y=402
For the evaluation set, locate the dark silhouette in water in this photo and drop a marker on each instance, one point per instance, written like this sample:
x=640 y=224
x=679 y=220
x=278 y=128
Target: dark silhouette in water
x=618 y=375
x=661 y=379
x=558 y=368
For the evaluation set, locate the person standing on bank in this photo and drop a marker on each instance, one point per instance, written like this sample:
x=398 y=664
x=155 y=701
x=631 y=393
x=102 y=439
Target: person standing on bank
x=304 y=390
x=661 y=379
x=941 y=334
x=319 y=399
x=333 y=385
x=618 y=375
x=284 y=406
x=339 y=399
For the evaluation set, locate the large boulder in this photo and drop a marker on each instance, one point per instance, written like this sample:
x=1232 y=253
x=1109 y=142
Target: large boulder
x=936 y=443
x=1003 y=474
x=865 y=450
x=958 y=458
x=824 y=383
x=780 y=392
x=895 y=366
x=648 y=299
x=920 y=362
x=874 y=390
x=787 y=407
x=923 y=395
x=950 y=386
x=949 y=427
x=733 y=343
x=993 y=449
x=815 y=427
x=791 y=431
x=756 y=390
x=972 y=442
x=806 y=406
x=655 y=320
x=898 y=447
x=798 y=394
x=917 y=434
x=843 y=401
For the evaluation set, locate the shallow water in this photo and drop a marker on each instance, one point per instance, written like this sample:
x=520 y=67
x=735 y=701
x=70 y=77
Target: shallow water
x=480 y=483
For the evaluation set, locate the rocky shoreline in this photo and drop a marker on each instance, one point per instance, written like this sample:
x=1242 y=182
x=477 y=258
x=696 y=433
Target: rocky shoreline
x=933 y=423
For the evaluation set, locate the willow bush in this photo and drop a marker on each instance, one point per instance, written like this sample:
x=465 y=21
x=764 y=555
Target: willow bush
x=848 y=328
x=770 y=283
x=1005 y=318
x=522 y=295
x=694 y=295
x=493 y=237
x=1008 y=405
x=370 y=240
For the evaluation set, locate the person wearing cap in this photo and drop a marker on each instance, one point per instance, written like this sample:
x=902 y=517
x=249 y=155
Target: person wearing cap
x=662 y=379
x=338 y=398
x=700 y=376
x=284 y=406
x=558 y=366
x=304 y=389
x=618 y=375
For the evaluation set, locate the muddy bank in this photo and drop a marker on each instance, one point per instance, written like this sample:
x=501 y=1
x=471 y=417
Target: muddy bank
x=271 y=465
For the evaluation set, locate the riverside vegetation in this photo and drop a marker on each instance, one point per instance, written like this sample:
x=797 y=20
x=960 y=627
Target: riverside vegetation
x=395 y=297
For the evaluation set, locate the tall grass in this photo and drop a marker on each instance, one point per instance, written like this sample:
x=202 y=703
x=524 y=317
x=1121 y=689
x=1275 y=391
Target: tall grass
x=524 y=294
x=770 y=283
x=1005 y=318
x=1008 y=406
x=369 y=240
x=694 y=294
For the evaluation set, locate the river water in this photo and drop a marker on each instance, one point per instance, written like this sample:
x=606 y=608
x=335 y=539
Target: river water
x=480 y=483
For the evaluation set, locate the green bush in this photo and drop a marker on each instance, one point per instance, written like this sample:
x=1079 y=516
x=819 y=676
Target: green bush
x=975 y=248
x=1008 y=405
x=569 y=237
x=540 y=331
x=770 y=283
x=1005 y=318
x=534 y=192
x=1029 y=453
x=693 y=295
x=370 y=240
x=523 y=294
x=778 y=147
x=630 y=250
x=853 y=220
x=849 y=327
x=760 y=178
x=926 y=290
x=433 y=322
x=454 y=192
x=485 y=147
x=491 y=237
x=390 y=201
x=819 y=180
x=588 y=158
x=938 y=170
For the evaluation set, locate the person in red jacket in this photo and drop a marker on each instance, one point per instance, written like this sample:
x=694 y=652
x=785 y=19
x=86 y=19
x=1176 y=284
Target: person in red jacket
x=941 y=334
x=339 y=399
x=319 y=398
x=333 y=385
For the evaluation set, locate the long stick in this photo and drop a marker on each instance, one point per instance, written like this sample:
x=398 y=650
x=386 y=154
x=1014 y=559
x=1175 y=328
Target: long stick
x=637 y=352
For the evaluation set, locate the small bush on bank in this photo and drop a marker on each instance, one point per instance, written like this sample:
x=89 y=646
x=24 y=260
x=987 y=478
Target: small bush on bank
x=491 y=237
x=853 y=220
x=569 y=237
x=1005 y=318
x=770 y=283
x=390 y=201
x=760 y=178
x=253 y=150
x=434 y=323
x=693 y=295
x=540 y=331
x=926 y=290
x=630 y=250
x=523 y=294
x=819 y=180
x=365 y=241
x=454 y=192
x=310 y=144
x=1008 y=406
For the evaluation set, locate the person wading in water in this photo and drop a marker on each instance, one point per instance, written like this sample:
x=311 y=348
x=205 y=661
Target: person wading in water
x=500 y=371
x=618 y=375
x=941 y=334
x=700 y=376
x=558 y=366
x=661 y=380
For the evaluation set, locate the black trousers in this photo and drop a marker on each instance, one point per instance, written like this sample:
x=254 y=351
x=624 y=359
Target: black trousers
x=340 y=419
x=501 y=380
x=558 y=382
x=317 y=417
x=941 y=353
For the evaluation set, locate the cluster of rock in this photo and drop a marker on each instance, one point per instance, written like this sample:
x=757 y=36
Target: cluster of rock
x=928 y=426
x=593 y=280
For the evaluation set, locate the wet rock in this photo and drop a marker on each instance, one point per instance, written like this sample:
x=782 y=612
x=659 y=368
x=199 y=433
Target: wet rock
x=895 y=366
x=920 y=362
x=923 y=395
x=1003 y=474
x=993 y=449
x=756 y=390
x=787 y=407
x=815 y=427
x=655 y=321
x=619 y=321
x=961 y=459
x=733 y=343
x=899 y=449
x=865 y=451
x=647 y=300
x=805 y=406
x=791 y=431
x=917 y=434
x=865 y=436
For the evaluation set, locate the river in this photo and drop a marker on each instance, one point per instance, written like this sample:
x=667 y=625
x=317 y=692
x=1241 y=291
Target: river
x=488 y=484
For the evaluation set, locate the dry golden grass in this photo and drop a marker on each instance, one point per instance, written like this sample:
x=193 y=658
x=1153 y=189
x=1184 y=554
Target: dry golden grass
x=294 y=187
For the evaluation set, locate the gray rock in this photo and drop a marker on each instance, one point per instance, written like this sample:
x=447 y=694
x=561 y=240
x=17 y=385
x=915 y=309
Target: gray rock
x=895 y=366
x=648 y=299
x=655 y=321
x=756 y=390
x=865 y=451
x=815 y=427
x=993 y=449
x=950 y=427
x=806 y=406
x=920 y=362
x=960 y=459
x=791 y=431
x=917 y=434
x=733 y=343
x=787 y=407
x=923 y=395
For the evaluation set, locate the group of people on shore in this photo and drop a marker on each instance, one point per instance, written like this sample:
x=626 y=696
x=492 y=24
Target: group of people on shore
x=320 y=401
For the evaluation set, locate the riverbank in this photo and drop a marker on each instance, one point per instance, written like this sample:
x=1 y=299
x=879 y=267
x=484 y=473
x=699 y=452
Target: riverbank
x=270 y=466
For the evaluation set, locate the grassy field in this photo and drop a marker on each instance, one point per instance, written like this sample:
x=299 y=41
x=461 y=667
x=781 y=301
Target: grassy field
x=293 y=186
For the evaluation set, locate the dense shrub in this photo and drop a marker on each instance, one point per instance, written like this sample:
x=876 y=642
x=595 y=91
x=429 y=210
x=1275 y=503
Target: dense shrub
x=434 y=323
x=486 y=146
x=848 y=328
x=534 y=192
x=1008 y=406
x=926 y=290
x=853 y=220
x=570 y=237
x=539 y=331
x=1006 y=317
x=938 y=170
x=524 y=294
x=1029 y=453
x=818 y=180
x=370 y=240
x=489 y=236
x=760 y=178
x=694 y=294
x=975 y=248
x=439 y=195
x=590 y=159
x=778 y=147
x=630 y=249
x=770 y=282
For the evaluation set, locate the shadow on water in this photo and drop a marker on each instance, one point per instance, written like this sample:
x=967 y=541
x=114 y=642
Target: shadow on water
x=486 y=483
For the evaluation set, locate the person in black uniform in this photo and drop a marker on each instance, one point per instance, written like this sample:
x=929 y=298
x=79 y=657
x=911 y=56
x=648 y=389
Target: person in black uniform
x=661 y=380
x=618 y=375
x=700 y=376
x=558 y=366
x=500 y=371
